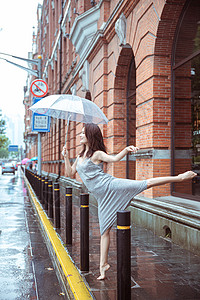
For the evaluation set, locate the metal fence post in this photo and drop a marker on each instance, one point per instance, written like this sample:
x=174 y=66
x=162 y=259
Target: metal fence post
x=123 y=255
x=84 y=232
x=68 y=215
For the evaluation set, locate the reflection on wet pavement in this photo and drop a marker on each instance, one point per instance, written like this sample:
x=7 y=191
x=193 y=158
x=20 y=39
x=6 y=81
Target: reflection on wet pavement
x=159 y=269
x=26 y=271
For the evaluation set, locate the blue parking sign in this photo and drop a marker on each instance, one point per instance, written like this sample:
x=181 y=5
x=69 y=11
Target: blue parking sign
x=40 y=123
x=13 y=148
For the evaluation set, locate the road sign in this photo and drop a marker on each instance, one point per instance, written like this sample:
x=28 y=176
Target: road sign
x=39 y=88
x=35 y=100
x=40 y=123
x=13 y=148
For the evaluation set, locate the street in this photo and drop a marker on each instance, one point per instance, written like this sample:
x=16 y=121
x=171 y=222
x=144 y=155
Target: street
x=26 y=271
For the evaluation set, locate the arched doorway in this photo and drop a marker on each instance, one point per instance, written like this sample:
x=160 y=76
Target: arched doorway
x=186 y=99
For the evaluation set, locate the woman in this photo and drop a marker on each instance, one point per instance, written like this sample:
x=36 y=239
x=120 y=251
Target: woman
x=112 y=194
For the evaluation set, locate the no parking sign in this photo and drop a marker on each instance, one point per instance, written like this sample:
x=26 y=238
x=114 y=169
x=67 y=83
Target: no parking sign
x=39 y=88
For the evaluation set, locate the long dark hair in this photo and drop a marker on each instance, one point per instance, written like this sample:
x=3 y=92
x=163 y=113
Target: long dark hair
x=95 y=139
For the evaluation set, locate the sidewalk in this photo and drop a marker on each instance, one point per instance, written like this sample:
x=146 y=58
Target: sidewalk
x=26 y=270
x=159 y=269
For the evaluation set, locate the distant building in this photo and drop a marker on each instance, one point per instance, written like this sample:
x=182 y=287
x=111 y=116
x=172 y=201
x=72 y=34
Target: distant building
x=14 y=129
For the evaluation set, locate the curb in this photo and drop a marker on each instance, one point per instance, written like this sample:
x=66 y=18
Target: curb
x=71 y=279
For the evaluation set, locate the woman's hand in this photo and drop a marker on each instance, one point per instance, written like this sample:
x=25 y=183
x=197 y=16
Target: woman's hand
x=65 y=152
x=132 y=149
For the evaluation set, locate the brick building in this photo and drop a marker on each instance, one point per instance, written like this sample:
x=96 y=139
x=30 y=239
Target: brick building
x=139 y=62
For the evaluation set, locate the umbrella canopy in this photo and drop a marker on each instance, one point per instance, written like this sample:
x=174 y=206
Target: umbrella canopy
x=34 y=158
x=25 y=160
x=70 y=107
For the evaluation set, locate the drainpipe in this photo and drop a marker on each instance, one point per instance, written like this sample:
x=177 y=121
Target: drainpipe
x=127 y=132
x=60 y=88
x=128 y=116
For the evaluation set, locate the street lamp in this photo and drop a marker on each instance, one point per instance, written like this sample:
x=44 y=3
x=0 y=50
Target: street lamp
x=31 y=61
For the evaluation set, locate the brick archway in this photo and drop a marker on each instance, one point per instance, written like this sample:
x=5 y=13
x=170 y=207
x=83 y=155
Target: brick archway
x=120 y=109
x=162 y=106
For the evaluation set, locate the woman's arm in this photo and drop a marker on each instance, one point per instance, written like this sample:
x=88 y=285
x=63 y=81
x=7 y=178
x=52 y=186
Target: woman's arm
x=70 y=170
x=100 y=156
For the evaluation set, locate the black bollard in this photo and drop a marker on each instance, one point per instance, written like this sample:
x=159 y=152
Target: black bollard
x=50 y=199
x=57 y=204
x=46 y=194
x=84 y=232
x=123 y=255
x=42 y=189
x=33 y=181
x=36 y=185
x=68 y=215
x=39 y=187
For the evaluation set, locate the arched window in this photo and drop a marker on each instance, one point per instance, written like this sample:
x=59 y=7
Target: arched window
x=186 y=99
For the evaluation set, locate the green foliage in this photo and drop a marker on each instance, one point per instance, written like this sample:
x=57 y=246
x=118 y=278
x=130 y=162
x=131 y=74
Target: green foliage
x=4 y=141
x=2 y=124
x=4 y=153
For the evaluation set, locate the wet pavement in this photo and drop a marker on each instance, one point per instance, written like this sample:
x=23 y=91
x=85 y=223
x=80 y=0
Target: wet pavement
x=26 y=271
x=159 y=269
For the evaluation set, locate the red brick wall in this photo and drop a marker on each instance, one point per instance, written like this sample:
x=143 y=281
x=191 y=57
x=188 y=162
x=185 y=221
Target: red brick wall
x=151 y=28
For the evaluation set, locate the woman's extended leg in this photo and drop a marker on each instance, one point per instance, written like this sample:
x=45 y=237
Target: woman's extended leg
x=104 y=247
x=168 y=179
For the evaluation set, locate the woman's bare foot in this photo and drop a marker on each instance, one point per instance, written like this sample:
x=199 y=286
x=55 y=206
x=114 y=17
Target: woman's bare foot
x=187 y=175
x=103 y=270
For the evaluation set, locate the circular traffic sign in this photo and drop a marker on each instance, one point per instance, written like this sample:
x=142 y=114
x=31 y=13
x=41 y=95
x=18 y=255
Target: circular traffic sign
x=39 y=88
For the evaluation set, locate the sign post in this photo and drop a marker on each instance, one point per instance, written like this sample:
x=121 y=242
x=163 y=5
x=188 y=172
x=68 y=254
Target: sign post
x=39 y=88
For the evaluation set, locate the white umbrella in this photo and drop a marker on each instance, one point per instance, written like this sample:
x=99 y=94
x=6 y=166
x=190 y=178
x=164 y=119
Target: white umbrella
x=71 y=108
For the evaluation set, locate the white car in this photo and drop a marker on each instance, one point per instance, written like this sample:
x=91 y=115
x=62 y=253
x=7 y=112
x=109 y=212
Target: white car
x=8 y=168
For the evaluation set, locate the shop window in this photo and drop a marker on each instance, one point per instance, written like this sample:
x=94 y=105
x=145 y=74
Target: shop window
x=186 y=100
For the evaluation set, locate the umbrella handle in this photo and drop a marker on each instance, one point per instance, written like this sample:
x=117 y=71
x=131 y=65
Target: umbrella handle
x=68 y=119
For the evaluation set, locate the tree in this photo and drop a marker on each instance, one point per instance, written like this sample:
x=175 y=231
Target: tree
x=2 y=125
x=4 y=140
